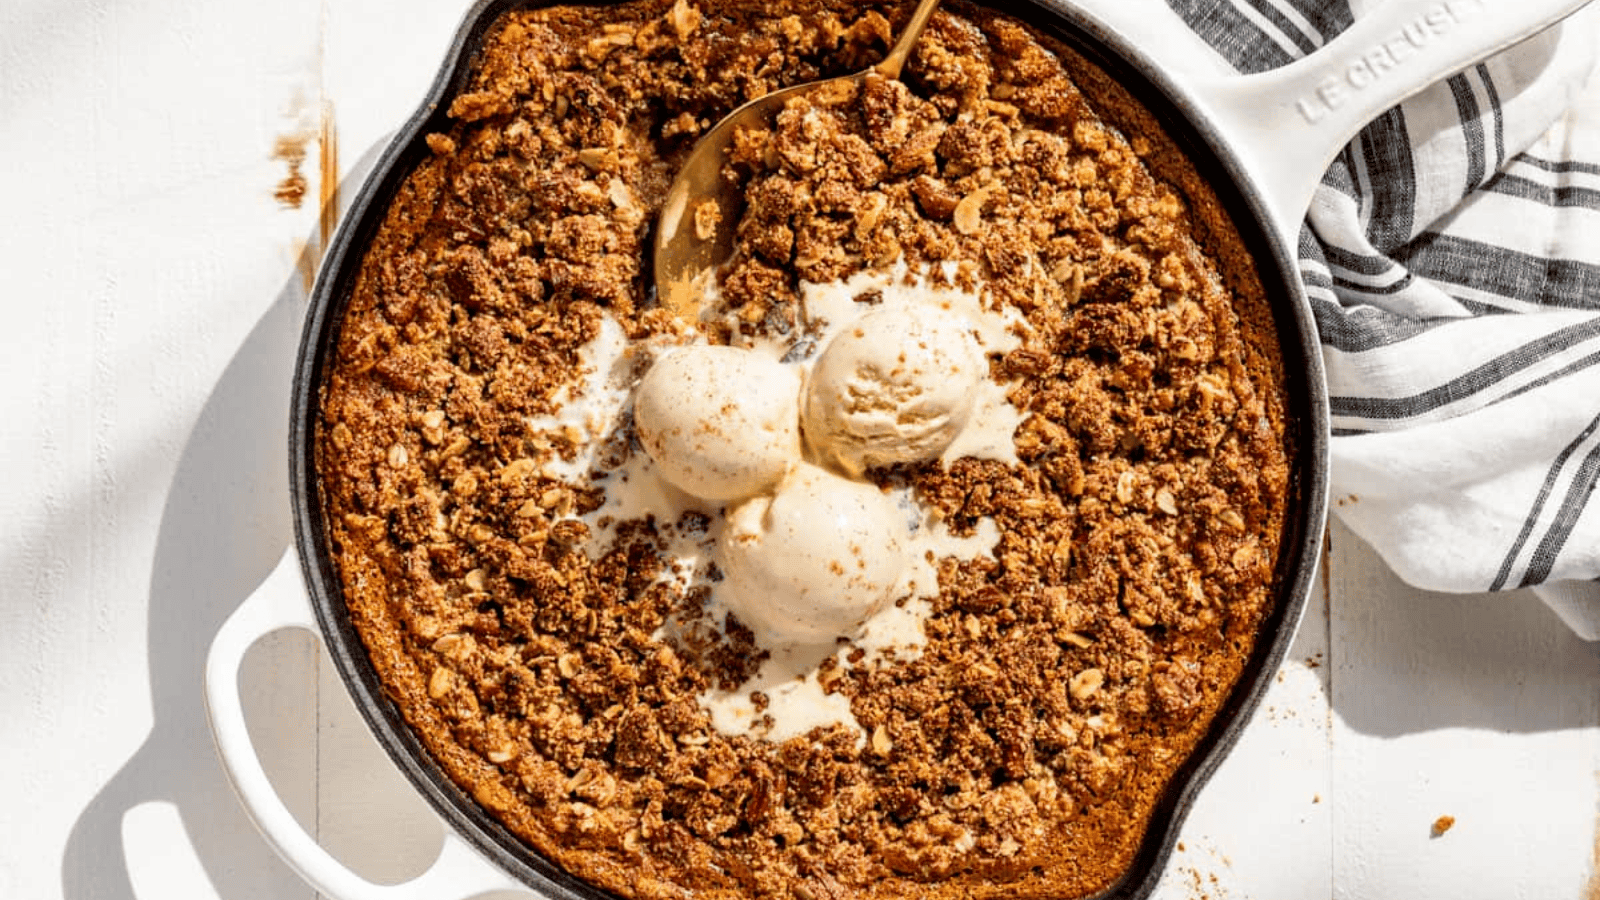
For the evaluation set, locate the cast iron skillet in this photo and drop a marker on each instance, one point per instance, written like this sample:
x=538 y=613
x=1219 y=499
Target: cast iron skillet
x=1260 y=141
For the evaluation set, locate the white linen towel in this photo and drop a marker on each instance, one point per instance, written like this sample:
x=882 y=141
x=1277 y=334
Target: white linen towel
x=1452 y=258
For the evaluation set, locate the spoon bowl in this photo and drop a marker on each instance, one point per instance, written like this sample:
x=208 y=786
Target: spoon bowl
x=694 y=236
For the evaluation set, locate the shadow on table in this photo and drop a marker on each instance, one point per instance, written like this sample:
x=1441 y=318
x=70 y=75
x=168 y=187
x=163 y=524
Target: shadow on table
x=225 y=524
x=1409 y=661
x=226 y=521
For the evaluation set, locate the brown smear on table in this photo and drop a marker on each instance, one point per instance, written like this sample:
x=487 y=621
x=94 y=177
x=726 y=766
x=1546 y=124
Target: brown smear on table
x=291 y=149
x=292 y=190
x=1324 y=572
x=1592 y=892
x=327 y=174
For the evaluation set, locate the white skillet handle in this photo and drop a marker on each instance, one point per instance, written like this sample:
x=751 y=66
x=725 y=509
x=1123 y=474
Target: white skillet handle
x=1288 y=124
x=279 y=603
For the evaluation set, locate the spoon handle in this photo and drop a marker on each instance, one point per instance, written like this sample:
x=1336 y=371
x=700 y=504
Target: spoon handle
x=896 y=60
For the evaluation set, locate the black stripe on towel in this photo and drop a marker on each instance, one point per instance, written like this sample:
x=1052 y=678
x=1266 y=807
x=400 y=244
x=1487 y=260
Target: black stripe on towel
x=1307 y=43
x=1572 y=505
x=1562 y=196
x=1507 y=273
x=1557 y=165
x=1359 y=263
x=1386 y=148
x=1470 y=383
x=1361 y=328
x=1230 y=32
x=1471 y=129
x=1328 y=16
x=1545 y=490
x=1375 y=290
x=1499 y=116
x=1571 y=368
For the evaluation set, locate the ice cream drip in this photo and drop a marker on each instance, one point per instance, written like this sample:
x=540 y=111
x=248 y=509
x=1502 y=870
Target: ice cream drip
x=774 y=441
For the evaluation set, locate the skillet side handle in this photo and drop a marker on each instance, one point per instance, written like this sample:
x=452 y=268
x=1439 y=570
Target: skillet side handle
x=279 y=603
x=1287 y=125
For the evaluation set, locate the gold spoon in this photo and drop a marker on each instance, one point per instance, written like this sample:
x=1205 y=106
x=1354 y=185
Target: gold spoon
x=689 y=248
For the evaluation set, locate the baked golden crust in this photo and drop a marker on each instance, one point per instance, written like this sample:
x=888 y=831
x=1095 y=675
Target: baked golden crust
x=1065 y=679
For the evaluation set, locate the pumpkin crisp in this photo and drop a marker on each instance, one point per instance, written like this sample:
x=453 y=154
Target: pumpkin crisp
x=1065 y=677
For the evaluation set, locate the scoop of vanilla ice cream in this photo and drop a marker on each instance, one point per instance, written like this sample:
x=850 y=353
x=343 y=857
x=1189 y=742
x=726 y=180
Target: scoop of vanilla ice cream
x=814 y=560
x=895 y=386
x=720 y=423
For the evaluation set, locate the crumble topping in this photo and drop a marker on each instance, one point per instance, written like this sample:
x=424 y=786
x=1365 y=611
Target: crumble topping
x=1064 y=676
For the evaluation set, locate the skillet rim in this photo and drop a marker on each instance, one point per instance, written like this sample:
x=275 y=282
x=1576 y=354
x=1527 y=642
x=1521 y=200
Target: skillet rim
x=1209 y=152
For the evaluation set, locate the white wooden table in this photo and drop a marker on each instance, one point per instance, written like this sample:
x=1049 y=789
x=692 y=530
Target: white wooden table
x=154 y=283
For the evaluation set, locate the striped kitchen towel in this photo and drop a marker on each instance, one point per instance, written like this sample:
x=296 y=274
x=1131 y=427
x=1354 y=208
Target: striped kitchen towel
x=1452 y=255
